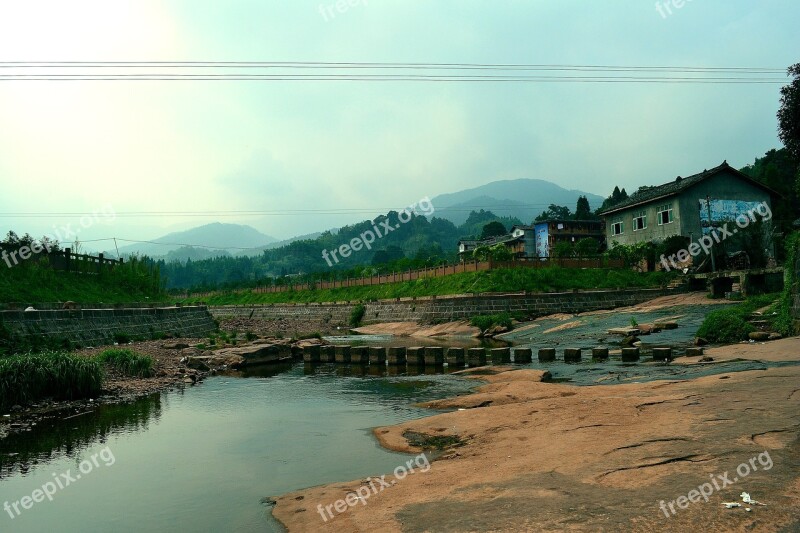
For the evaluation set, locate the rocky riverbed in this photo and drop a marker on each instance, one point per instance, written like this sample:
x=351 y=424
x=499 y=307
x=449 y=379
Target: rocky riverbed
x=523 y=454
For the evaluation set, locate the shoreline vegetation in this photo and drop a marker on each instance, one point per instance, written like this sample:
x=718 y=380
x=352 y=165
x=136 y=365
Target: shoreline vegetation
x=551 y=279
x=33 y=283
x=60 y=375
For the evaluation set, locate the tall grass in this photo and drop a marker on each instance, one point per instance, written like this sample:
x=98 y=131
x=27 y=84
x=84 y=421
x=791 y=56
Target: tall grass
x=58 y=375
x=128 y=362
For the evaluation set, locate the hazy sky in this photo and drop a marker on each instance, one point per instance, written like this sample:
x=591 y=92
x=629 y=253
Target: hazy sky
x=243 y=145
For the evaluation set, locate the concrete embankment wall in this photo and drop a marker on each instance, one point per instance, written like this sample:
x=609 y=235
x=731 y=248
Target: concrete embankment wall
x=94 y=327
x=439 y=309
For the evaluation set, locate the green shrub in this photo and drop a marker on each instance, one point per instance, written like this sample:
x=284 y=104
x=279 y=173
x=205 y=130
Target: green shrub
x=357 y=315
x=31 y=377
x=128 y=362
x=122 y=338
x=725 y=326
x=484 y=322
x=730 y=325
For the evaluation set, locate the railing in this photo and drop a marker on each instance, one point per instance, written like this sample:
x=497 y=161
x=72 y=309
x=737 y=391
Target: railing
x=63 y=260
x=432 y=272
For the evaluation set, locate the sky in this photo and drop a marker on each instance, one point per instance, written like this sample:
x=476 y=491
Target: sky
x=71 y=148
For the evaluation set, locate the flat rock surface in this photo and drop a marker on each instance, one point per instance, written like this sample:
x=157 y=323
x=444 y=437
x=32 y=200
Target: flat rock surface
x=553 y=457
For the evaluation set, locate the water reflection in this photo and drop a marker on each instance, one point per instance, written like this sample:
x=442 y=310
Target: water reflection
x=54 y=439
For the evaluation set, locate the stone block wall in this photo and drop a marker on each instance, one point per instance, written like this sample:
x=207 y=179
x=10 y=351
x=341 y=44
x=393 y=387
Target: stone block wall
x=439 y=309
x=95 y=327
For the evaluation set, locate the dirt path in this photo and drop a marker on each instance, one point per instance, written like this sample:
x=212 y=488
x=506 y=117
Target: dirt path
x=540 y=456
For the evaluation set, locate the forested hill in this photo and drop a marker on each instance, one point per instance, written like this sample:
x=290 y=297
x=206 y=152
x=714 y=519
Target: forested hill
x=418 y=241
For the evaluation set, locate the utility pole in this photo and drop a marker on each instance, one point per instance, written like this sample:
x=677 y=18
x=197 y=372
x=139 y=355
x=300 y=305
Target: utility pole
x=711 y=230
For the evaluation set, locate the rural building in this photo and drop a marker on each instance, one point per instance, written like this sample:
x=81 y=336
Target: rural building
x=685 y=206
x=520 y=242
x=537 y=241
x=551 y=232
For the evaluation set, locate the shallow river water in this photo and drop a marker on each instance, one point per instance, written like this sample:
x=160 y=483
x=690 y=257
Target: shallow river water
x=203 y=458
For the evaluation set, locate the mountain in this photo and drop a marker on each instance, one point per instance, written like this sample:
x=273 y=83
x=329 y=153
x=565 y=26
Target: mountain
x=279 y=244
x=524 y=199
x=222 y=238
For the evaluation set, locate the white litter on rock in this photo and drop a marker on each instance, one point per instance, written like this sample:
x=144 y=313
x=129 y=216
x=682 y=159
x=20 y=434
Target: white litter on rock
x=747 y=499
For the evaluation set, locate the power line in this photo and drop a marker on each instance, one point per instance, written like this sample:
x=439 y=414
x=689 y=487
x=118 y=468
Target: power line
x=291 y=212
x=349 y=72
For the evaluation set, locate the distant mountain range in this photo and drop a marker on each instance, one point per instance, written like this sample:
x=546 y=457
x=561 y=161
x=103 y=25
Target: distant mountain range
x=524 y=199
x=219 y=238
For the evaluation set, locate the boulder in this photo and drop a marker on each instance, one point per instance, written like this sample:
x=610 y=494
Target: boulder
x=199 y=363
x=700 y=341
x=174 y=345
x=759 y=336
x=630 y=340
x=625 y=332
x=254 y=354
x=666 y=325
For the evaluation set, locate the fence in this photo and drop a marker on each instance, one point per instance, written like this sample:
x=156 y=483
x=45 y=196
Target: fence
x=434 y=272
x=67 y=261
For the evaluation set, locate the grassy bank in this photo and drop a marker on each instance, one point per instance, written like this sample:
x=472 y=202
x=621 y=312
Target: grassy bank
x=731 y=324
x=60 y=375
x=553 y=279
x=35 y=283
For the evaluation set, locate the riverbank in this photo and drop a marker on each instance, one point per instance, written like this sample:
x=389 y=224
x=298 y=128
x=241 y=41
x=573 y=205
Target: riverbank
x=543 y=280
x=176 y=363
x=527 y=455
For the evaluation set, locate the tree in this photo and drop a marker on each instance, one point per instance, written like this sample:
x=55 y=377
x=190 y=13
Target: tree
x=616 y=197
x=789 y=113
x=493 y=229
x=555 y=212
x=587 y=247
x=500 y=252
x=582 y=210
x=563 y=249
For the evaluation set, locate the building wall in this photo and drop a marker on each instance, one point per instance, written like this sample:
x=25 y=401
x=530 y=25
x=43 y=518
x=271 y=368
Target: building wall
x=721 y=187
x=685 y=210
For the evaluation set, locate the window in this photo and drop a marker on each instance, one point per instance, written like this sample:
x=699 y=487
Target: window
x=664 y=214
x=639 y=220
x=617 y=228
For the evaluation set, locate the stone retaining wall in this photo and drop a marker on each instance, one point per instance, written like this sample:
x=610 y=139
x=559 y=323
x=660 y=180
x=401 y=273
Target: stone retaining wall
x=94 y=327
x=439 y=309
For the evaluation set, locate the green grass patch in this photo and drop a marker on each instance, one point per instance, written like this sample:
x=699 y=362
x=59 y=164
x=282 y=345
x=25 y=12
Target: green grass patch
x=357 y=315
x=551 y=279
x=34 y=283
x=129 y=362
x=484 y=322
x=59 y=375
x=730 y=325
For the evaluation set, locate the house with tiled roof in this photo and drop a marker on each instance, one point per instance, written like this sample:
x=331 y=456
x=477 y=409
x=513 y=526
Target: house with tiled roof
x=689 y=206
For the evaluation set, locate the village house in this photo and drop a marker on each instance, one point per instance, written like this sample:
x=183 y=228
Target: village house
x=537 y=241
x=688 y=206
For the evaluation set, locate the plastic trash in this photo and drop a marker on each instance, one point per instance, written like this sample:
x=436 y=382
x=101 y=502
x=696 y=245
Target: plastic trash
x=747 y=499
x=731 y=505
